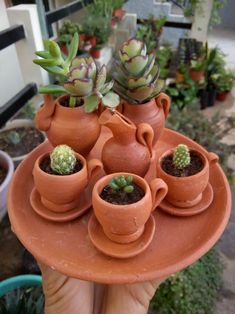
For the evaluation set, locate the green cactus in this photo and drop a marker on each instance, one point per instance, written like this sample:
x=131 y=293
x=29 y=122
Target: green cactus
x=121 y=183
x=83 y=79
x=181 y=156
x=136 y=73
x=63 y=159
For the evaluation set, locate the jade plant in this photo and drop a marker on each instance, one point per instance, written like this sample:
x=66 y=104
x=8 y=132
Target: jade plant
x=181 y=156
x=121 y=183
x=63 y=160
x=136 y=73
x=83 y=80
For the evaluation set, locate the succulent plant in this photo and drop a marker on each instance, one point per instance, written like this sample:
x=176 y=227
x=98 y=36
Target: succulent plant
x=63 y=159
x=83 y=79
x=181 y=156
x=136 y=73
x=121 y=183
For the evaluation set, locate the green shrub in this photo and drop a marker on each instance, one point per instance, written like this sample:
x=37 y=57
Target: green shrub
x=193 y=290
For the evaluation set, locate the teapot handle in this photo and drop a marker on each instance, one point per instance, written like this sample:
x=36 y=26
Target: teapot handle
x=212 y=158
x=44 y=115
x=163 y=101
x=94 y=167
x=145 y=136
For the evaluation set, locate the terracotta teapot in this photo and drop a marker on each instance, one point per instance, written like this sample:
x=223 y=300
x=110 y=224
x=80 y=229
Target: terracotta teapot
x=71 y=126
x=130 y=148
x=153 y=112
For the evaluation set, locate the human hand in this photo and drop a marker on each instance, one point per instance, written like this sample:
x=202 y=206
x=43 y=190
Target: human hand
x=65 y=295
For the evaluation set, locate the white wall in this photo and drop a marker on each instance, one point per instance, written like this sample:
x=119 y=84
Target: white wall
x=10 y=74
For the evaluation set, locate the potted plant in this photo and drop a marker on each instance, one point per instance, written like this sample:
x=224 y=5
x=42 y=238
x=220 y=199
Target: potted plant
x=6 y=173
x=224 y=82
x=136 y=81
x=123 y=203
x=118 y=12
x=61 y=177
x=186 y=173
x=19 y=137
x=163 y=59
x=22 y=294
x=180 y=72
x=197 y=69
x=73 y=116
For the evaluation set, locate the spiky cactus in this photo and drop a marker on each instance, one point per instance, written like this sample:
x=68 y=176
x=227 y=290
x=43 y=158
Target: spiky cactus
x=63 y=159
x=136 y=73
x=121 y=183
x=82 y=78
x=181 y=156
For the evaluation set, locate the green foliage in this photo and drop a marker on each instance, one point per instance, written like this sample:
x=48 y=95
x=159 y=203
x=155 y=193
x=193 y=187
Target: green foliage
x=223 y=80
x=63 y=159
x=198 y=65
x=193 y=290
x=121 y=183
x=209 y=133
x=23 y=301
x=67 y=31
x=163 y=57
x=117 y=4
x=181 y=156
x=28 y=111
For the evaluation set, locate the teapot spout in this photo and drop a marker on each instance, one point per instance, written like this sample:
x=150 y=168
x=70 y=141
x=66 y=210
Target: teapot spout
x=43 y=117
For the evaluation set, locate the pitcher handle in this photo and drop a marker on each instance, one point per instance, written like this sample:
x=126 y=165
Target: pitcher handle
x=44 y=115
x=159 y=190
x=145 y=136
x=163 y=101
x=94 y=167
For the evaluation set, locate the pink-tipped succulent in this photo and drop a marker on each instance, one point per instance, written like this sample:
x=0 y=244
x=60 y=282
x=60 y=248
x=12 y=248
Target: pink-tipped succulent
x=136 y=73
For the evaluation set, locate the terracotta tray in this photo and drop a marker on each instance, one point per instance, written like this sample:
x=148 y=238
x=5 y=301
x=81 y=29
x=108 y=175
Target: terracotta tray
x=65 y=246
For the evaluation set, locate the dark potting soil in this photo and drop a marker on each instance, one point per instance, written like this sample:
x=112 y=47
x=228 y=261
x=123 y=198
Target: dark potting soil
x=3 y=173
x=195 y=166
x=30 y=138
x=46 y=167
x=65 y=102
x=120 y=197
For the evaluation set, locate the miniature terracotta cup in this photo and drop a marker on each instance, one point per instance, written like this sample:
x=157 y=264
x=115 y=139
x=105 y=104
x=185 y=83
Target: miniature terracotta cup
x=153 y=112
x=71 y=126
x=60 y=193
x=186 y=191
x=125 y=223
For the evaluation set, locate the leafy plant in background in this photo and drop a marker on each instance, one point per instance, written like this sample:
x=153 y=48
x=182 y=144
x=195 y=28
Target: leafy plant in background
x=194 y=290
x=117 y=4
x=223 y=80
x=28 y=111
x=84 y=81
x=135 y=73
x=163 y=57
x=23 y=301
x=209 y=133
x=14 y=137
x=67 y=31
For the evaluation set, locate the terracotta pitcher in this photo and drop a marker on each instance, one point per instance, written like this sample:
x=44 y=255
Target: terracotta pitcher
x=153 y=112
x=130 y=148
x=71 y=126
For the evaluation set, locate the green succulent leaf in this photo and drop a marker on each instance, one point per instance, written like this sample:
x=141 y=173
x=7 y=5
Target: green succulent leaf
x=91 y=70
x=101 y=78
x=78 y=73
x=129 y=180
x=55 y=70
x=51 y=89
x=141 y=93
x=136 y=64
x=106 y=87
x=73 y=48
x=113 y=186
x=79 y=87
x=91 y=103
x=137 y=82
x=46 y=62
x=54 y=50
x=43 y=54
x=128 y=189
x=133 y=47
x=76 y=62
x=111 y=100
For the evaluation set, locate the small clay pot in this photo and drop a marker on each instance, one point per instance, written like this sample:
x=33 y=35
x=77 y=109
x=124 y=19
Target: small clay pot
x=60 y=193
x=125 y=223
x=186 y=191
x=95 y=53
x=92 y=41
x=153 y=112
x=196 y=75
x=222 y=96
x=71 y=126
x=119 y=13
x=179 y=77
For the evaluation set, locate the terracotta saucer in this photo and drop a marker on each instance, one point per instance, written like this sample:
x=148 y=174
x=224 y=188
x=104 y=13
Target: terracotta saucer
x=207 y=198
x=113 y=249
x=66 y=247
x=83 y=205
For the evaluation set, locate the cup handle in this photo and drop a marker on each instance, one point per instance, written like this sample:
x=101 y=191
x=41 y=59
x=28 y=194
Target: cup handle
x=212 y=158
x=159 y=190
x=94 y=167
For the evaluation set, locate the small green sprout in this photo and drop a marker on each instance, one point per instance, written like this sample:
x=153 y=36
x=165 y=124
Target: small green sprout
x=181 y=156
x=13 y=137
x=121 y=183
x=63 y=159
